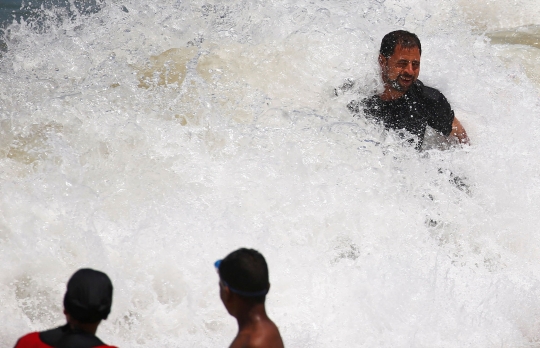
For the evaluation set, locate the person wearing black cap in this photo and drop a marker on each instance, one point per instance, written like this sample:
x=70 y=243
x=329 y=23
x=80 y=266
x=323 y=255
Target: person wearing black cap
x=87 y=301
x=243 y=284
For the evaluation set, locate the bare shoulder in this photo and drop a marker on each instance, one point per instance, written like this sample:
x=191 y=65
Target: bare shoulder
x=264 y=335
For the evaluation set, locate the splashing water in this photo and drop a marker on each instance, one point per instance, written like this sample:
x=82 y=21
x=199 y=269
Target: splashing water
x=148 y=140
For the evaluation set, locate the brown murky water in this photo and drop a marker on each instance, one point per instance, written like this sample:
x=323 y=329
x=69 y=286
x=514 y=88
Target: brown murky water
x=519 y=48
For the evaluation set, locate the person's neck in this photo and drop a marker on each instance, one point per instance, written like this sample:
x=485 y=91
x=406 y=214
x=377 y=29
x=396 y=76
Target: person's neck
x=391 y=94
x=250 y=315
x=90 y=328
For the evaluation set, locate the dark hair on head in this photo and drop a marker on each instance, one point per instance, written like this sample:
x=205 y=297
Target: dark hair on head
x=399 y=37
x=88 y=297
x=246 y=270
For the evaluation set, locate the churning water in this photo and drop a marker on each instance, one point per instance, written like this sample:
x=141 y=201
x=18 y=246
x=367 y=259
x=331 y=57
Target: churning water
x=148 y=139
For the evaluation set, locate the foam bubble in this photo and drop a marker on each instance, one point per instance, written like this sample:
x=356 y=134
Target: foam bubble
x=150 y=139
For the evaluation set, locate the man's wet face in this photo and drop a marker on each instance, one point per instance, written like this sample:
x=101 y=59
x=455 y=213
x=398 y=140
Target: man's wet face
x=401 y=69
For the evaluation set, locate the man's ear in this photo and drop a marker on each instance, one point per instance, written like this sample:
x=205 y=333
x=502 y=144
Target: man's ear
x=226 y=294
x=68 y=317
x=382 y=61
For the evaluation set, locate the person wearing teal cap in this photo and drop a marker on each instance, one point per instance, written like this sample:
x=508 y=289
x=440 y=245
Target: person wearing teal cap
x=243 y=285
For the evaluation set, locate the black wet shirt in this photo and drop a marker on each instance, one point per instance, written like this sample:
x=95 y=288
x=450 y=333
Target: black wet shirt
x=64 y=336
x=419 y=107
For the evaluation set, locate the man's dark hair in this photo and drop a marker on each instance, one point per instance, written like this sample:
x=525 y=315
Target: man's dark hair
x=246 y=270
x=399 y=37
x=88 y=298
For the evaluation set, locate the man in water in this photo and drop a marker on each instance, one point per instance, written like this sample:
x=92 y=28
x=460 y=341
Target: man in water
x=406 y=104
x=87 y=301
x=243 y=285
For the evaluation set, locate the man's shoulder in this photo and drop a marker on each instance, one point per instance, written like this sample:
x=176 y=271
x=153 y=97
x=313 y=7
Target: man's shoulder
x=243 y=341
x=266 y=336
x=371 y=105
x=364 y=103
x=371 y=100
x=63 y=336
x=429 y=93
x=31 y=340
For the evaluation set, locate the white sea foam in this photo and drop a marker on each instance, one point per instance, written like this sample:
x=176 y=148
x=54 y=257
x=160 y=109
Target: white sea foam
x=150 y=139
x=500 y=14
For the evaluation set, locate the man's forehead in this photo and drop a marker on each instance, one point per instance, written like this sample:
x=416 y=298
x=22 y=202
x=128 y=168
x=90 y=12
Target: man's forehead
x=408 y=53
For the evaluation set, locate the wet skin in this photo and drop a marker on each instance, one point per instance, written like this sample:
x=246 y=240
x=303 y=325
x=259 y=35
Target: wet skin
x=399 y=71
x=255 y=329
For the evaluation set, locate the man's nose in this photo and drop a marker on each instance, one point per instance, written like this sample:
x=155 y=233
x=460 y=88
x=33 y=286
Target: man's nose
x=409 y=69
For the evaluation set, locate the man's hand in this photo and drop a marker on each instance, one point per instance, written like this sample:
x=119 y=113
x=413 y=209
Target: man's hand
x=459 y=132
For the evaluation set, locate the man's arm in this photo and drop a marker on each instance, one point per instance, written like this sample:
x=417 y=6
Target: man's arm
x=459 y=132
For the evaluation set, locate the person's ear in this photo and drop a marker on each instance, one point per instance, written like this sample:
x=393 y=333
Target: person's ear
x=382 y=61
x=226 y=293
x=68 y=317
